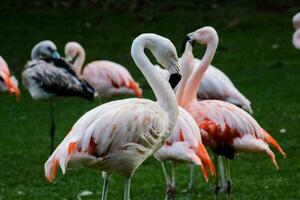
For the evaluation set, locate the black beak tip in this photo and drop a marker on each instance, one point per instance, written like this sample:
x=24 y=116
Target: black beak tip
x=174 y=80
x=185 y=40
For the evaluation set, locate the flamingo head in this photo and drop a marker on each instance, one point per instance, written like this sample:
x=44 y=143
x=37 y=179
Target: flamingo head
x=72 y=51
x=44 y=50
x=166 y=55
x=7 y=82
x=204 y=35
x=187 y=61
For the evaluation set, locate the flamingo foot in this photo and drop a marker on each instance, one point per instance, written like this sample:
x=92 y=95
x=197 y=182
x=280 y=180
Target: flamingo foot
x=228 y=189
x=217 y=190
x=171 y=192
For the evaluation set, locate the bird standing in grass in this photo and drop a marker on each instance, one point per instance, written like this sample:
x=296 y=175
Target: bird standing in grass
x=107 y=78
x=225 y=128
x=118 y=136
x=7 y=82
x=296 y=35
x=47 y=77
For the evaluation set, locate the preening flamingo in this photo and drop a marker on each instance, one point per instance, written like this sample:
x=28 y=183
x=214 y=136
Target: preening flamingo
x=7 y=82
x=47 y=77
x=118 y=136
x=225 y=128
x=296 y=35
x=107 y=78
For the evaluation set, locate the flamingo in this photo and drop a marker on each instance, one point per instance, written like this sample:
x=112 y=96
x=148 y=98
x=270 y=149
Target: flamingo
x=108 y=78
x=184 y=145
x=7 y=82
x=296 y=35
x=225 y=128
x=118 y=136
x=47 y=77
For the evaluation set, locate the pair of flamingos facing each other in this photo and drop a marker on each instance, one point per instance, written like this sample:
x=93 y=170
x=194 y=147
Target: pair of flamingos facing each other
x=118 y=136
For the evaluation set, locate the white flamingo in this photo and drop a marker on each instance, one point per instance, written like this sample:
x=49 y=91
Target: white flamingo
x=107 y=78
x=47 y=77
x=118 y=136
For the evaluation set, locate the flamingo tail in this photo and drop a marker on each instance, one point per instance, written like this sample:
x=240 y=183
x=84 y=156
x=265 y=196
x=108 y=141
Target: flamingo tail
x=60 y=156
x=269 y=139
x=207 y=164
x=135 y=87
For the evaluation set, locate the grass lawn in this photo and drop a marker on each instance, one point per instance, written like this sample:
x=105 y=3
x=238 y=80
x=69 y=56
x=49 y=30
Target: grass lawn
x=255 y=51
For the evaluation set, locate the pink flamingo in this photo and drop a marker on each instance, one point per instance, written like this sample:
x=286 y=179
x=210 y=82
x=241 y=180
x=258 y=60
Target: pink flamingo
x=106 y=77
x=184 y=145
x=225 y=128
x=296 y=35
x=7 y=82
x=118 y=136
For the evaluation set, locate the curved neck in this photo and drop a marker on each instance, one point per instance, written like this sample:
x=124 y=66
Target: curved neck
x=180 y=91
x=79 y=60
x=161 y=88
x=194 y=81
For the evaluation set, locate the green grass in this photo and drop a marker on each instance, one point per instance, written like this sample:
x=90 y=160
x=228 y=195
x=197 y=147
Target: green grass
x=268 y=76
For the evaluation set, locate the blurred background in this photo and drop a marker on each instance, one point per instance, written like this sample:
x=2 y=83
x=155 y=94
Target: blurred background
x=255 y=51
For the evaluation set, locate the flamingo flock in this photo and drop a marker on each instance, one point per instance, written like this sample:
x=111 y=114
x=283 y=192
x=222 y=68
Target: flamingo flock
x=197 y=107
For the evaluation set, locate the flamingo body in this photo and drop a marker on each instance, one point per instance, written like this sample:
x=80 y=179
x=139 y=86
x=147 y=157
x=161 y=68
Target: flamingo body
x=109 y=79
x=229 y=129
x=115 y=137
x=45 y=81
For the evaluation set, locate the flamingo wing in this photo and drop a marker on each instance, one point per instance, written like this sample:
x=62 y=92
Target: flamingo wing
x=217 y=85
x=114 y=137
x=185 y=145
x=228 y=129
x=55 y=80
x=106 y=75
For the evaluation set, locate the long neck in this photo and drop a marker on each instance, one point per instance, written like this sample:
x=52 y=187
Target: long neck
x=78 y=63
x=180 y=91
x=161 y=88
x=196 y=77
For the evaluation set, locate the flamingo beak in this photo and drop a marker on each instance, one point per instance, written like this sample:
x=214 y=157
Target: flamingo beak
x=188 y=38
x=55 y=55
x=175 y=77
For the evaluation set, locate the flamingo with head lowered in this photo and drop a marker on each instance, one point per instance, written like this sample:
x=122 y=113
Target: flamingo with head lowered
x=225 y=128
x=107 y=78
x=47 y=77
x=7 y=82
x=117 y=137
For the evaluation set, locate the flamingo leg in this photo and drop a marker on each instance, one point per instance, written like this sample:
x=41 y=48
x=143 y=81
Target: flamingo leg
x=127 y=188
x=106 y=178
x=228 y=184
x=217 y=181
x=191 y=181
x=167 y=177
x=172 y=186
x=53 y=126
x=221 y=171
